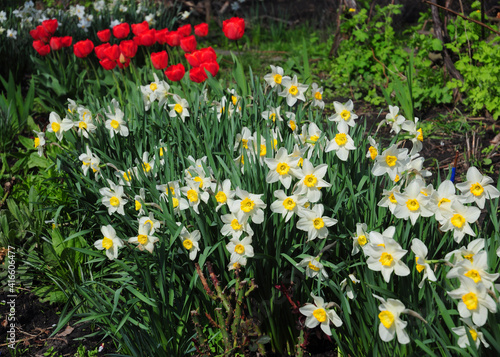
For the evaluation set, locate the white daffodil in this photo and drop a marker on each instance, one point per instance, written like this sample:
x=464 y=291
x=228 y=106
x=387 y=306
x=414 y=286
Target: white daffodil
x=276 y=76
x=248 y=205
x=125 y=177
x=58 y=126
x=89 y=160
x=148 y=95
x=342 y=143
x=463 y=339
x=420 y=250
x=151 y=221
x=244 y=140
x=273 y=114
x=392 y=161
x=291 y=122
x=232 y=226
x=344 y=113
x=414 y=168
x=39 y=141
x=416 y=135
x=442 y=198
x=190 y=242
x=373 y=149
x=240 y=250
x=115 y=123
x=390 y=323
x=110 y=242
x=386 y=257
x=313 y=267
x=477 y=188
x=389 y=200
x=317 y=94
x=144 y=240
x=473 y=300
x=319 y=314
x=458 y=220
x=476 y=269
x=293 y=90
x=172 y=192
x=147 y=164
x=282 y=167
x=112 y=198
x=314 y=223
x=194 y=196
x=348 y=288
x=361 y=239
x=310 y=136
x=84 y=123
x=286 y=205
x=412 y=203
x=311 y=181
x=140 y=201
x=179 y=108
x=394 y=119
x=469 y=252
x=224 y=194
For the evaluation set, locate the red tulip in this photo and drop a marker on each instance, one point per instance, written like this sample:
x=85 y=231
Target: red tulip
x=197 y=74
x=160 y=36
x=66 y=41
x=112 y=53
x=128 y=48
x=188 y=44
x=201 y=30
x=207 y=55
x=234 y=28
x=40 y=33
x=173 y=38
x=99 y=50
x=50 y=26
x=42 y=48
x=212 y=67
x=184 y=31
x=175 y=72
x=147 y=38
x=137 y=29
x=159 y=59
x=82 y=49
x=193 y=58
x=55 y=43
x=121 y=31
x=104 y=35
x=107 y=64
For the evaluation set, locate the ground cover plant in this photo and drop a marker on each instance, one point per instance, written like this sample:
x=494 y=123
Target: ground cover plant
x=186 y=205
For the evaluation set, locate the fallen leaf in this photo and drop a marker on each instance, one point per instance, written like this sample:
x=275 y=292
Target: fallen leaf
x=66 y=331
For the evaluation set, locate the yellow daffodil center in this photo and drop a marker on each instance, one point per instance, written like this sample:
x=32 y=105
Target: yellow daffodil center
x=292 y=124
x=282 y=168
x=396 y=179
x=458 y=220
x=386 y=259
x=412 y=204
x=289 y=204
x=115 y=124
x=392 y=198
x=310 y=180
x=373 y=152
x=138 y=205
x=320 y=314
x=277 y=78
x=161 y=151
x=473 y=334
x=419 y=267
x=391 y=160
x=293 y=90
x=127 y=176
x=272 y=116
x=187 y=243
x=474 y=275
x=362 y=240
x=153 y=86
x=318 y=223
x=235 y=225
x=107 y=243
x=341 y=139
x=386 y=318
x=244 y=143
x=142 y=238
x=470 y=300
x=301 y=162
x=469 y=257
x=263 y=150
x=199 y=180
x=312 y=267
x=351 y=9
x=82 y=125
x=178 y=108
x=345 y=114
x=146 y=167
x=175 y=202
x=420 y=136
x=114 y=201
x=55 y=127
x=221 y=197
x=443 y=200
x=476 y=189
x=192 y=195
x=234 y=99
x=314 y=138
x=318 y=96
x=37 y=142
x=247 y=205
x=239 y=248
x=424 y=193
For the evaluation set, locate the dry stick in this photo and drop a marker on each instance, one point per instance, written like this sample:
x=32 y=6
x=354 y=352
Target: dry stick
x=462 y=16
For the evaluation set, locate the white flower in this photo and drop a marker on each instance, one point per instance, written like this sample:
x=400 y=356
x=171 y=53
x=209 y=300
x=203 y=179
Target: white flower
x=194 y=196
x=420 y=250
x=288 y=205
x=476 y=269
x=240 y=250
x=248 y=205
x=150 y=221
x=58 y=126
x=442 y=198
x=311 y=180
x=342 y=143
x=275 y=77
x=344 y=285
x=393 y=119
x=360 y=239
x=293 y=90
x=110 y=242
x=416 y=135
x=473 y=248
x=477 y=188
x=343 y=113
x=125 y=177
x=317 y=94
x=39 y=142
x=392 y=161
x=390 y=322
x=3 y=16
x=89 y=160
x=190 y=242
x=112 y=198
x=147 y=165
x=140 y=201
x=389 y=200
x=314 y=223
x=458 y=220
x=386 y=257
x=463 y=339
x=373 y=149
x=12 y=34
x=282 y=168
x=179 y=108
x=313 y=267
x=412 y=203
x=115 y=123
x=273 y=114
x=232 y=226
x=85 y=124
x=143 y=239
x=474 y=300
x=224 y=194
x=319 y=314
